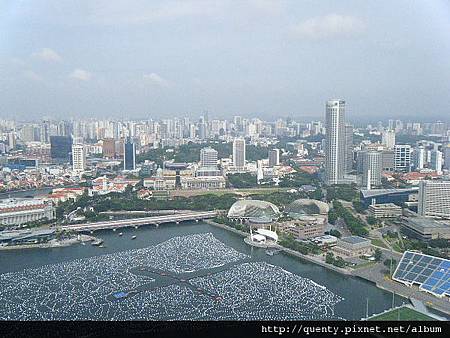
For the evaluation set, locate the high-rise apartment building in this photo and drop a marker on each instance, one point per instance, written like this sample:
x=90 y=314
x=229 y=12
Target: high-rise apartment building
x=274 y=157
x=239 y=153
x=78 y=158
x=434 y=199
x=335 y=142
x=402 y=157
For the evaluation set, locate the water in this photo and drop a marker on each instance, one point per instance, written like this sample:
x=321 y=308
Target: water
x=350 y=293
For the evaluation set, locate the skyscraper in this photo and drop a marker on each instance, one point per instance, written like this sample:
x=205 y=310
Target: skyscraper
x=335 y=142
x=78 y=158
x=274 y=157
x=348 y=148
x=129 y=155
x=419 y=157
x=372 y=165
x=402 y=157
x=60 y=147
x=436 y=161
x=388 y=138
x=434 y=199
x=446 y=151
x=239 y=153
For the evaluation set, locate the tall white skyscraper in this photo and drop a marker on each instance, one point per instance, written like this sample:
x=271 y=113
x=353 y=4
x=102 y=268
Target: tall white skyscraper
x=239 y=153
x=208 y=157
x=388 y=138
x=372 y=165
x=78 y=158
x=335 y=142
x=274 y=157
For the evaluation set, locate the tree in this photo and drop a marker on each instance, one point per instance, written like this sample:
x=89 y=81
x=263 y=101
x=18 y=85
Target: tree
x=329 y=258
x=335 y=233
x=371 y=220
x=378 y=254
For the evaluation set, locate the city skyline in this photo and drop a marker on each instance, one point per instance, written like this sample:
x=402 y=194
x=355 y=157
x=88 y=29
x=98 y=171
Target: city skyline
x=253 y=58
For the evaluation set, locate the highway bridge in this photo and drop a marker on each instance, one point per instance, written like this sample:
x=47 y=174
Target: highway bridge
x=135 y=222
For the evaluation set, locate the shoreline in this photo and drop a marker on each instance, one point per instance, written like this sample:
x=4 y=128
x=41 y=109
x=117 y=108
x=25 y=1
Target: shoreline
x=288 y=251
x=353 y=273
x=50 y=244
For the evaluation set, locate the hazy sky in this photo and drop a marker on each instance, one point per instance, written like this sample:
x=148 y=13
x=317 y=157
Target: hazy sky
x=255 y=58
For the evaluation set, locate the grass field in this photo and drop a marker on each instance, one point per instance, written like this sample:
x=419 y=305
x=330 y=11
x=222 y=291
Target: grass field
x=379 y=242
x=404 y=313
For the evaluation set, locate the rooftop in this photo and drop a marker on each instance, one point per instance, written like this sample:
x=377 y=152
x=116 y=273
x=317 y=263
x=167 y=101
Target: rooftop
x=378 y=192
x=354 y=239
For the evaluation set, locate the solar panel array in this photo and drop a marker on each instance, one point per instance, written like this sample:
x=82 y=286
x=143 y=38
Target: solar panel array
x=432 y=274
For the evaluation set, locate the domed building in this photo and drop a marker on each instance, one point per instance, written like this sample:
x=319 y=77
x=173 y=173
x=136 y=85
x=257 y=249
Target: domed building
x=310 y=218
x=244 y=210
x=306 y=207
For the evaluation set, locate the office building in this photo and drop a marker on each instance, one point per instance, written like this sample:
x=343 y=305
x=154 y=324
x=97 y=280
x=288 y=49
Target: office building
x=384 y=210
x=109 y=148
x=402 y=157
x=129 y=155
x=348 y=148
x=388 y=138
x=434 y=199
x=60 y=147
x=419 y=158
x=436 y=161
x=78 y=158
x=335 y=142
x=371 y=167
x=274 y=157
x=387 y=160
x=446 y=154
x=424 y=229
x=239 y=153
x=208 y=158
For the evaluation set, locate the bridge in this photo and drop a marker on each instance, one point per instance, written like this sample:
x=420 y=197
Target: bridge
x=135 y=222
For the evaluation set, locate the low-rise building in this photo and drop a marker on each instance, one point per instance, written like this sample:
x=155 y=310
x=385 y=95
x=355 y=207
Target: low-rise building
x=352 y=246
x=203 y=182
x=305 y=227
x=385 y=210
x=21 y=211
x=21 y=237
x=425 y=228
x=159 y=183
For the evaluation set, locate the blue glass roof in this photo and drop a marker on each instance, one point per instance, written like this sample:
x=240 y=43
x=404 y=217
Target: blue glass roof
x=432 y=274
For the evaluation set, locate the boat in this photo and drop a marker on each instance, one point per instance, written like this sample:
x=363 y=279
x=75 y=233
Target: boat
x=120 y=234
x=97 y=242
x=101 y=246
x=134 y=237
x=269 y=252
